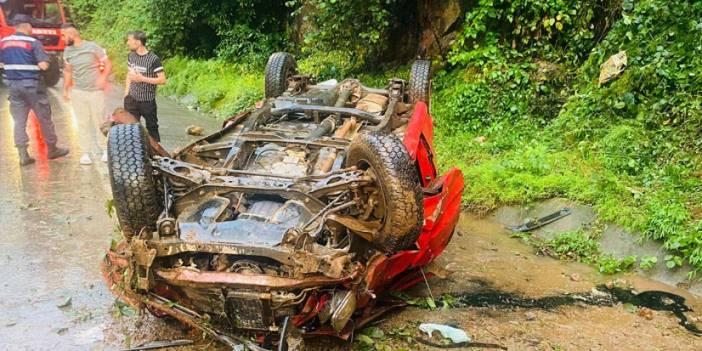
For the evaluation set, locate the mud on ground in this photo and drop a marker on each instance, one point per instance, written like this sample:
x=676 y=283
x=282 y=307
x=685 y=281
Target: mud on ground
x=485 y=258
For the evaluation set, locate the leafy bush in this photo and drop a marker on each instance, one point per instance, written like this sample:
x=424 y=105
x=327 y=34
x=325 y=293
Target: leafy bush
x=629 y=147
x=574 y=246
x=359 y=28
x=648 y=262
x=245 y=31
x=563 y=29
x=607 y=264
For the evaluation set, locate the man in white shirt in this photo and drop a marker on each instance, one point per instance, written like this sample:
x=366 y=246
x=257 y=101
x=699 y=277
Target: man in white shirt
x=85 y=73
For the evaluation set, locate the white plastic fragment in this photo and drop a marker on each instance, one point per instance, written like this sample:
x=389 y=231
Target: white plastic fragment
x=456 y=335
x=330 y=82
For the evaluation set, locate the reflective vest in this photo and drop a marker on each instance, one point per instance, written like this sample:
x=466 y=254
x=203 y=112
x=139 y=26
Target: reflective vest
x=20 y=55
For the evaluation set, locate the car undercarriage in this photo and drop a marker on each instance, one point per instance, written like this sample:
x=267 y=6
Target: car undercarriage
x=293 y=219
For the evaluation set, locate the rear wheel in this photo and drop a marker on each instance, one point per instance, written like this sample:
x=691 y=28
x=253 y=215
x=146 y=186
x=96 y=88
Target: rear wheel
x=395 y=200
x=281 y=66
x=420 y=81
x=134 y=191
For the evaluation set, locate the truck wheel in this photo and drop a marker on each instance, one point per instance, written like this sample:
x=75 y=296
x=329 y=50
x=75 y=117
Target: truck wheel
x=280 y=67
x=53 y=74
x=398 y=203
x=133 y=186
x=420 y=81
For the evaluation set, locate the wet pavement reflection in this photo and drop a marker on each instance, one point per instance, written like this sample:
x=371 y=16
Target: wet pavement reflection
x=54 y=231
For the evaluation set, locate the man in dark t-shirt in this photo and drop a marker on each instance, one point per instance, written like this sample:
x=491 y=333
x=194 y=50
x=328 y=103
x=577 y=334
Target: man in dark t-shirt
x=145 y=74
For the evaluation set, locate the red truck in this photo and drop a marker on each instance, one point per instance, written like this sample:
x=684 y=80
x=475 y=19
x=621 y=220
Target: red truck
x=47 y=18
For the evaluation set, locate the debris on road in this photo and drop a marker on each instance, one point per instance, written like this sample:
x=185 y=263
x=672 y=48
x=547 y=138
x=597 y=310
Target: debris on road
x=456 y=335
x=438 y=270
x=28 y=207
x=195 y=130
x=646 y=313
x=532 y=224
x=66 y=303
x=155 y=345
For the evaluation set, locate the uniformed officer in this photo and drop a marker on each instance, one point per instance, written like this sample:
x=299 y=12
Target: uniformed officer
x=23 y=58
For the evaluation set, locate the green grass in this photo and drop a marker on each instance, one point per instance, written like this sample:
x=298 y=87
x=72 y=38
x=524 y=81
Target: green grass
x=221 y=88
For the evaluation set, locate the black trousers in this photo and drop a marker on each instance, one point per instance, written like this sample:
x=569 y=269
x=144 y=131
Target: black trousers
x=147 y=110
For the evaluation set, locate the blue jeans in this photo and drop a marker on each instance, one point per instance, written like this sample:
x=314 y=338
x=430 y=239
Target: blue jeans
x=26 y=95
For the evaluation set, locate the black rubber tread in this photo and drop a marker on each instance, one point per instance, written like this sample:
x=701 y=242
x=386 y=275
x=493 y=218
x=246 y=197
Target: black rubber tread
x=420 y=81
x=280 y=67
x=131 y=176
x=399 y=182
x=52 y=75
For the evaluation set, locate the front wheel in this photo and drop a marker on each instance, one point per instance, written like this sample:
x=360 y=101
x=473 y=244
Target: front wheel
x=134 y=190
x=395 y=198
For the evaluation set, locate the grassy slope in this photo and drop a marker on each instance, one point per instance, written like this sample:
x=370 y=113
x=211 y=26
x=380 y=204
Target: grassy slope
x=629 y=147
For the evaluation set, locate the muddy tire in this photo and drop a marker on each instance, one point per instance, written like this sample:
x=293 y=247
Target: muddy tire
x=420 y=81
x=280 y=67
x=136 y=199
x=400 y=193
x=52 y=75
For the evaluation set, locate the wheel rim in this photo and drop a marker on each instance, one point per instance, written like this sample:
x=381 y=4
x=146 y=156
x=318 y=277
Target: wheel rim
x=289 y=73
x=379 y=209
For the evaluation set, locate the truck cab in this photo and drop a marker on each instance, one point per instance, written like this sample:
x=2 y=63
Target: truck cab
x=48 y=16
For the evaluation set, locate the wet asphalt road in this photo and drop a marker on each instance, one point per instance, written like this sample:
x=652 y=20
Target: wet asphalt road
x=54 y=230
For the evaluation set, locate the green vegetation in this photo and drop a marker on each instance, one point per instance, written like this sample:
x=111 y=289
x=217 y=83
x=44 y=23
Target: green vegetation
x=648 y=262
x=629 y=147
x=211 y=81
x=582 y=246
x=517 y=103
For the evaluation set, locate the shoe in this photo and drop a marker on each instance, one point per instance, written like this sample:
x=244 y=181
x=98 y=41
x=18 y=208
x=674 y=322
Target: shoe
x=85 y=160
x=56 y=152
x=25 y=159
x=104 y=156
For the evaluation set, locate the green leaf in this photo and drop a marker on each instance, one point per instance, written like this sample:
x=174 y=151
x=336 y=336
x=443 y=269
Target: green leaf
x=431 y=303
x=365 y=339
x=374 y=332
x=110 y=207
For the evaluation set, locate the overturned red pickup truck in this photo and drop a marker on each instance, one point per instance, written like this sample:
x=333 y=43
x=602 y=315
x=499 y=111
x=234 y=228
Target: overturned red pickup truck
x=295 y=219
